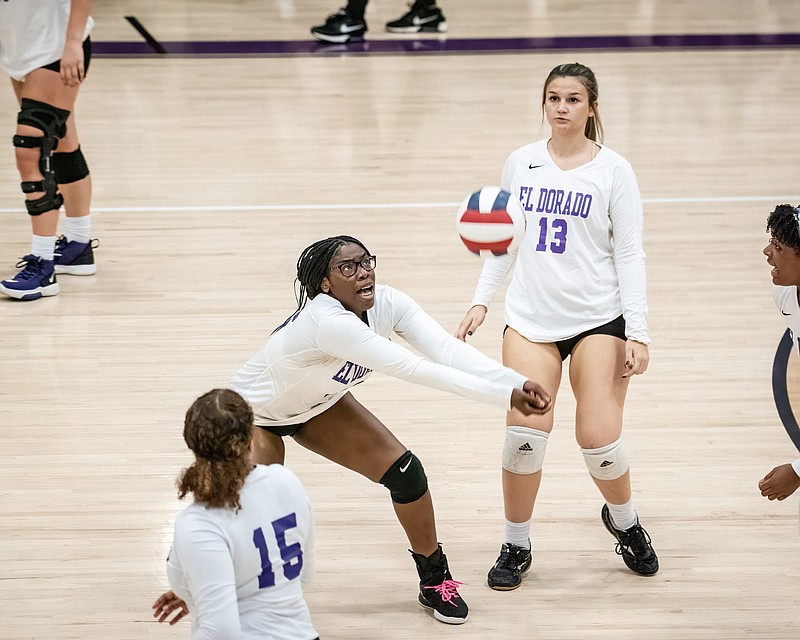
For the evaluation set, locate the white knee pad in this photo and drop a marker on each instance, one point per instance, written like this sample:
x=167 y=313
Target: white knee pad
x=523 y=450
x=607 y=463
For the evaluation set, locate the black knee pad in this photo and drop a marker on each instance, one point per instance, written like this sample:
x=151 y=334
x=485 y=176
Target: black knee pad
x=405 y=479
x=70 y=166
x=52 y=122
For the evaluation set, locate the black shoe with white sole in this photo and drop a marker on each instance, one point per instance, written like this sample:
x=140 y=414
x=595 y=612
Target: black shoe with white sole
x=422 y=16
x=633 y=545
x=339 y=28
x=506 y=574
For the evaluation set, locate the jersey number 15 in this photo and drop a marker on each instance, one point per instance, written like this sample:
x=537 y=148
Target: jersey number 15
x=291 y=554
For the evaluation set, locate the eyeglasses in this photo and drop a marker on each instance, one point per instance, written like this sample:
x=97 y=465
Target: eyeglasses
x=350 y=267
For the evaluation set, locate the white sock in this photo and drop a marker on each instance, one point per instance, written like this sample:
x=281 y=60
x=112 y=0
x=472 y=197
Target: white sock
x=78 y=229
x=623 y=515
x=519 y=533
x=43 y=246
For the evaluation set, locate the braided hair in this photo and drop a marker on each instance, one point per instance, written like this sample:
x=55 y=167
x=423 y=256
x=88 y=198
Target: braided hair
x=217 y=429
x=784 y=225
x=313 y=264
x=312 y=267
x=594 y=128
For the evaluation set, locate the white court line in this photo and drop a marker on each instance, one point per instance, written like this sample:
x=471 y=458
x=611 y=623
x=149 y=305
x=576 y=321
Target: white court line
x=791 y=199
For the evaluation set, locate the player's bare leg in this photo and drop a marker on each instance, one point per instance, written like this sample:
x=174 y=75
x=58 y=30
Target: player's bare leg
x=523 y=456
x=596 y=370
x=348 y=434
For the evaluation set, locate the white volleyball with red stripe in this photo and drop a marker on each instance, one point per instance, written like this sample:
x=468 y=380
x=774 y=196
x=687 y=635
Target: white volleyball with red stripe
x=490 y=221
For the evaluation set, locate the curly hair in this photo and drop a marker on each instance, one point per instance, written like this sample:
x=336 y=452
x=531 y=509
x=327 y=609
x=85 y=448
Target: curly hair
x=594 y=128
x=217 y=429
x=784 y=225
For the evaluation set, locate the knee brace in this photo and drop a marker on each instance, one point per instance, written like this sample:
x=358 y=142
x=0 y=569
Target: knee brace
x=52 y=122
x=70 y=166
x=523 y=450
x=405 y=479
x=607 y=463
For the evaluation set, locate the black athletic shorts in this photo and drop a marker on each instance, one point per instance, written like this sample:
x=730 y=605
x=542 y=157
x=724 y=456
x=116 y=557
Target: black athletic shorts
x=614 y=328
x=283 y=430
x=87 y=58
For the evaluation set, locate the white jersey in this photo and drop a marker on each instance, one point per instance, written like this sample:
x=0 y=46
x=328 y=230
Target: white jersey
x=240 y=572
x=324 y=350
x=33 y=34
x=787 y=303
x=581 y=262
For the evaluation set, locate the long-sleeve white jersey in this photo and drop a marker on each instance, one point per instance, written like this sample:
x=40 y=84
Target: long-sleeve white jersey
x=240 y=573
x=787 y=303
x=581 y=262
x=324 y=350
x=33 y=34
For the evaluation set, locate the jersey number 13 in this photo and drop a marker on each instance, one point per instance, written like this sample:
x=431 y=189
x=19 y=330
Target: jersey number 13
x=559 y=227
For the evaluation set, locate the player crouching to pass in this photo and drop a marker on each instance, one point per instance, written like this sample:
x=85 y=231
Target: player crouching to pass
x=299 y=383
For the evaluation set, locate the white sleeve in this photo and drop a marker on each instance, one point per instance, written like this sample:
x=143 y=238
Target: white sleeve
x=309 y=551
x=494 y=271
x=343 y=335
x=430 y=338
x=208 y=569
x=309 y=554
x=627 y=220
x=796 y=467
x=495 y=268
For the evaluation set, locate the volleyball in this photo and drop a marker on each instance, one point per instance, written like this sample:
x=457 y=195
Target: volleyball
x=490 y=221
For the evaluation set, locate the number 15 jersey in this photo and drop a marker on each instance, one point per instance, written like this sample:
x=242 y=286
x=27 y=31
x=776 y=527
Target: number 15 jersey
x=240 y=573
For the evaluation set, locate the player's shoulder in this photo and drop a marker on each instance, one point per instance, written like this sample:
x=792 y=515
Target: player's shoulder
x=274 y=475
x=323 y=306
x=389 y=298
x=198 y=516
x=527 y=152
x=786 y=298
x=612 y=158
x=387 y=293
x=271 y=472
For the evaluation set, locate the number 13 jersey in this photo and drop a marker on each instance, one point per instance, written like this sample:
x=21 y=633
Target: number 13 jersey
x=581 y=263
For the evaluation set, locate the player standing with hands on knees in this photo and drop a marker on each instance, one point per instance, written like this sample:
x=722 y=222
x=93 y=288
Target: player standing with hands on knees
x=242 y=551
x=299 y=386
x=783 y=255
x=45 y=49
x=577 y=290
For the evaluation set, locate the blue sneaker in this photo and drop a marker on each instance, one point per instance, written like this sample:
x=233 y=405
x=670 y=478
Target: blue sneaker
x=37 y=279
x=75 y=258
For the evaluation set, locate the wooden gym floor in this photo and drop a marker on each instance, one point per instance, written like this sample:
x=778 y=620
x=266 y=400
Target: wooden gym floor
x=212 y=173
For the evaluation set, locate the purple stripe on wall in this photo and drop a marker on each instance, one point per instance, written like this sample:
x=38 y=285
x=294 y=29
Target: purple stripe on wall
x=450 y=45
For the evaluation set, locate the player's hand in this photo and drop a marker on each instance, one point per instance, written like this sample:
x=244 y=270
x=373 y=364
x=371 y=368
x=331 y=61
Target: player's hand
x=72 y=64
x=168 y=603
x=471 y=322
x=637 y=357
x=531 y=399
x=779 y=483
